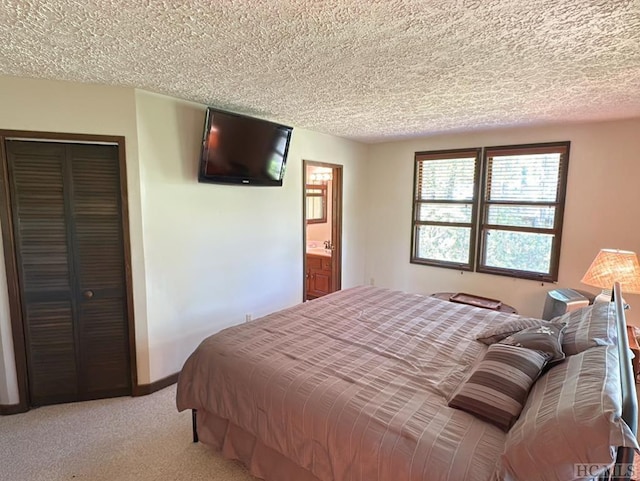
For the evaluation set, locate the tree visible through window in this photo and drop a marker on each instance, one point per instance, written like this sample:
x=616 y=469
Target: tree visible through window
x=512 y=227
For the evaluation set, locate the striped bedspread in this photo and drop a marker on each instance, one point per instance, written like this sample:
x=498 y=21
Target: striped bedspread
x=353 y=386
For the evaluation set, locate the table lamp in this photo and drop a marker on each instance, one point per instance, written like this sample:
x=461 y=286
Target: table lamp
x=612 y=265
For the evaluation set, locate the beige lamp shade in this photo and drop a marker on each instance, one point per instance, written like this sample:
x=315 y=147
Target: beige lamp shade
x=611 y=265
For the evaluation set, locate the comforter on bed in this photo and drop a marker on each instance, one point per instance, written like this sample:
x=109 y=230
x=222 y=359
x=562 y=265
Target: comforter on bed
x=353 y=386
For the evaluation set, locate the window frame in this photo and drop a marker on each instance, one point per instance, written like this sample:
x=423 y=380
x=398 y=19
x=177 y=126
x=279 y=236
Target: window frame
x=415 y=223
x=483 y=225
x=480 y=203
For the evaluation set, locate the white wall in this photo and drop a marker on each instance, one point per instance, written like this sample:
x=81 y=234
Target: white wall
x=203 y=255
x=353 y=157
x=602 y=210
x=215 y=253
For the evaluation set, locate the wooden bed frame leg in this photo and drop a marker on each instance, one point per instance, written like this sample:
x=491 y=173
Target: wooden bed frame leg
x=193 y=425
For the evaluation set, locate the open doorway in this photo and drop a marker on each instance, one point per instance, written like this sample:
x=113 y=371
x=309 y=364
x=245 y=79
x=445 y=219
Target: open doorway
x=322 y=228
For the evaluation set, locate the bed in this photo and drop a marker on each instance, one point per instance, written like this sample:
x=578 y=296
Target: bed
x=357 y=385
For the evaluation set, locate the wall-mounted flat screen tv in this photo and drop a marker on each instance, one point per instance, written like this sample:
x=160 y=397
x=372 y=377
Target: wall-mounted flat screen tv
x=243 y=150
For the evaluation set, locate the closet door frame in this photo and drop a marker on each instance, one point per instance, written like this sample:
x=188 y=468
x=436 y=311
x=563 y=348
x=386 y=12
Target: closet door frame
x=10 y=253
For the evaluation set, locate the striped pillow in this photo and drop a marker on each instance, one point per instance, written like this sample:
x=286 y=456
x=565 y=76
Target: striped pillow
x=572 y=416
x=498 y=388
x=588 y=327
x=497 y=332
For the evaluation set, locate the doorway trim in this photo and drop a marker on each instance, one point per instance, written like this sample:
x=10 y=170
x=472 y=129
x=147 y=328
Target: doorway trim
x=10 y=253
x=336 y=224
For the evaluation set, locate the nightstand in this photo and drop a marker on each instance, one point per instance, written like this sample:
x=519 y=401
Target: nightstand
x=446 y=296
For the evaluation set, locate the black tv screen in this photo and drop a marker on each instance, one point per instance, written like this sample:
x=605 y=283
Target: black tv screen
x=242 y=150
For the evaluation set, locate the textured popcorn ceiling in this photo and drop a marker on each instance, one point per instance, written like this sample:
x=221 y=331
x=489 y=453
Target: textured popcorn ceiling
x=369 y=70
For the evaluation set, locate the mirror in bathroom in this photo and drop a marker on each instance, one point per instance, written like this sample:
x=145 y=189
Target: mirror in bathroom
x=316 y=203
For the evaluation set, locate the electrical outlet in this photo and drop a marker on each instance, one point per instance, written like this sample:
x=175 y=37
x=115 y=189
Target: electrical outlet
x=372 y=282
x=247 y=317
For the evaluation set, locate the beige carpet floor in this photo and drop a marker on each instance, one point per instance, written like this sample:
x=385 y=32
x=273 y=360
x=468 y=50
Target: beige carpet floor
x=142 y=438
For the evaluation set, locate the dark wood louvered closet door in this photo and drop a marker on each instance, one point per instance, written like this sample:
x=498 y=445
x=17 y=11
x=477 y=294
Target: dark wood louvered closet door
x=69 y=242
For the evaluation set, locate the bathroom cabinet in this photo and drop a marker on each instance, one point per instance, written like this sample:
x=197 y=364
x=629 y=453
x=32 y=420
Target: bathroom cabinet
x=318 y=275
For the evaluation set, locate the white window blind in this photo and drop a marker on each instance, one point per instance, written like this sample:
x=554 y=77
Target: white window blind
x=512 y=228
x=445 y=207
x=522 y=210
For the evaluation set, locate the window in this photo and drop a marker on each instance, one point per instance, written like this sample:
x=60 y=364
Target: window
x=445 y=207
x=512 y=227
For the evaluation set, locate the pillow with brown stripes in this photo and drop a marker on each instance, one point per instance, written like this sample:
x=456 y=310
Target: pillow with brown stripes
x=497 y=389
